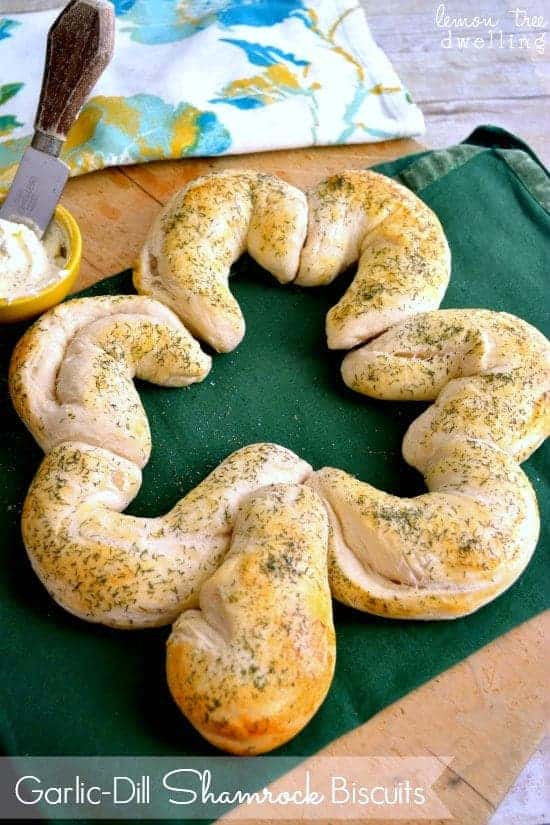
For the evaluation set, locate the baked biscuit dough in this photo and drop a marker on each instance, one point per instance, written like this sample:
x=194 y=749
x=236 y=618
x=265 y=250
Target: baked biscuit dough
x=437 y=556
x=251 y=667
x=205 y=228
x=446 y=553
x=403 y=256
x=128 y=572
x=71 y=374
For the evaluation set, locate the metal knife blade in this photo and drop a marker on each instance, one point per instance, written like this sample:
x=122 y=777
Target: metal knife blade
x=80 y=45
x=35 y=190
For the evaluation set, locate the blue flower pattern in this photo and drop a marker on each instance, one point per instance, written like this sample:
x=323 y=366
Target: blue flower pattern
x=122 y=129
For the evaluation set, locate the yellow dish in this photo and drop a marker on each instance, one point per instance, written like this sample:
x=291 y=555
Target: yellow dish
x=29 y=306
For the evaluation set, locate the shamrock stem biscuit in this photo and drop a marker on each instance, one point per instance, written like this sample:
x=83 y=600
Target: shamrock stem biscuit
x=252 y=666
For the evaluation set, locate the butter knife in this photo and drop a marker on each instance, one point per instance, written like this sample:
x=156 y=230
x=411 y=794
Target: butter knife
x=80 y=45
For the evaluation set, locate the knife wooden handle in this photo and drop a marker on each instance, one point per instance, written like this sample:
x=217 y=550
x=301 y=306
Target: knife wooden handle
x=80 y=45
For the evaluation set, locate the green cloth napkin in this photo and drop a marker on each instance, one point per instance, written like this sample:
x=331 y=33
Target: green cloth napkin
x=69 y=687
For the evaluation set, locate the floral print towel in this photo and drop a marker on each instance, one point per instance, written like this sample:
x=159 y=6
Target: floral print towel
x=210 y=77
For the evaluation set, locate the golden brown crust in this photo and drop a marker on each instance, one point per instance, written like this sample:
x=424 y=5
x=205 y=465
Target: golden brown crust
x=403 y=255
x=130 y=572
x=203 y=229
x=252 y=666
x=488 y=372
x=437 y=556
x=404 y=259
x=451 y=551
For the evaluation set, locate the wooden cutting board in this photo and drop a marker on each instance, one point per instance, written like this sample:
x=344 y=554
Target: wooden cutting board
x=489 y=711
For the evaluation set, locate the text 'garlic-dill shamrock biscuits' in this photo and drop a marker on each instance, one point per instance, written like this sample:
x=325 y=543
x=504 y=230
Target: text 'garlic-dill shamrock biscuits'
x=402 y=253
x=203 y=230
x=71 y=373
x=252 y=666
x=131 y=572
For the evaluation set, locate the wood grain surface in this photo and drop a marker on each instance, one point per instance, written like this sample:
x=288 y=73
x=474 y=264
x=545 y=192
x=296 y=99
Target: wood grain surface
x=489 y=711
x=461 y=86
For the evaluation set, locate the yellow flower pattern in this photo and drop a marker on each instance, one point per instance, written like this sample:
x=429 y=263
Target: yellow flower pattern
x=304 y=56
